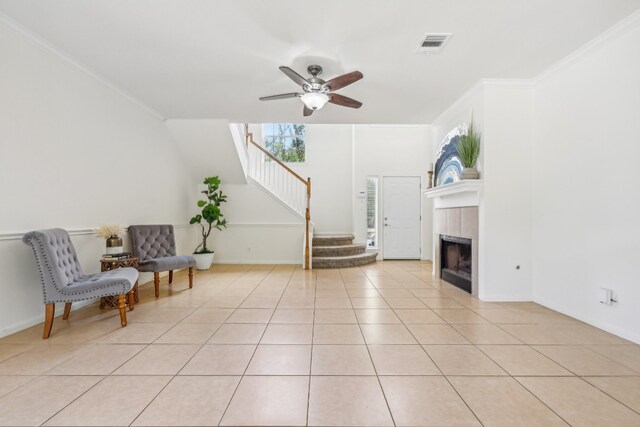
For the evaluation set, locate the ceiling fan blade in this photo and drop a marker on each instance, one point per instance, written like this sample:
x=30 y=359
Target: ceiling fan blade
x=344 y=101
x=281 y=96
x=294 y=76
x=307 y=111
x=343 y=80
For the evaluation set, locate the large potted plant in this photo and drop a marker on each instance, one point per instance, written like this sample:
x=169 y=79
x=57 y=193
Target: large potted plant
x=209 y=218
x=469 y=150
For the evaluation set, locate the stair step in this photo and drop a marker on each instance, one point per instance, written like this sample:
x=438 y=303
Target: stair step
x=332 y=240
x=343 y=250
x=344 y=261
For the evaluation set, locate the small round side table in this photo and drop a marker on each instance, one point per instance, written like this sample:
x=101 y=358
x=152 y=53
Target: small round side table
x=106 y=265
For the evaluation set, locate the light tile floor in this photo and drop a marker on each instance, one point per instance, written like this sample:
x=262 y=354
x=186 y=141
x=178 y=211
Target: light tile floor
x=380 y=345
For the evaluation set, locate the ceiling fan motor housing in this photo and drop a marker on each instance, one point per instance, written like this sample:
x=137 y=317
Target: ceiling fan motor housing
x=314 y=70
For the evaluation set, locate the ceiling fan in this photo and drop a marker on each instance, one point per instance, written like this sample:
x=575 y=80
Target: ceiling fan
x=317 y=92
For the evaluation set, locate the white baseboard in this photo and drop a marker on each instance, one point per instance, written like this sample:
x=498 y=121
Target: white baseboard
x=505 y=298
x=262 y=261
x=17 y=327
x=621 y=332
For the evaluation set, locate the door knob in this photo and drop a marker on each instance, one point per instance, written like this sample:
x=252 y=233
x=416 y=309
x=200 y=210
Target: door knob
x=386 y=225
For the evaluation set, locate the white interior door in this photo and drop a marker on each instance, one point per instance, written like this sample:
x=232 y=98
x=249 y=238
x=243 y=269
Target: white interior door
x=401 y=217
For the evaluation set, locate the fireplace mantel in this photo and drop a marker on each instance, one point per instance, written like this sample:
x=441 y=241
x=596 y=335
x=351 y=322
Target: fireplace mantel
x=458 y=194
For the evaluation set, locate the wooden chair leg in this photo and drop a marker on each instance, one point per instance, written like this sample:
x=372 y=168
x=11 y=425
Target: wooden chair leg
x=49 y=311
x=156 y=283
x=122 y=304
x=190 y=277
x=67 y=310
x=170 y=276
x=132 y=300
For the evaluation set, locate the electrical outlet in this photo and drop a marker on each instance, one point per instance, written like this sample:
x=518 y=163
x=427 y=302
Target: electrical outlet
x=606 y=296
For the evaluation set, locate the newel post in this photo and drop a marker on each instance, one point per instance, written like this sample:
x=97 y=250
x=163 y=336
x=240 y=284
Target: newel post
x=307 y=249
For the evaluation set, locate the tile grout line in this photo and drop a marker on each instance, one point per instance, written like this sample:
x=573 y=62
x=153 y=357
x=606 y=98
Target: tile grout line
x=432 y=361
x=375 y=370
x=574 y=375
x=535 y=376
x=313 y=328
x=145 y=346
x=256 y=348
x=509 y=375
x=192 y=356
x=179 y=370
x=402 y=285
x=607 y=394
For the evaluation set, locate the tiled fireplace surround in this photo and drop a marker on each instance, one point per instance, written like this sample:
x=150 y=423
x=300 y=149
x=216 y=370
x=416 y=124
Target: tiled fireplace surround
x=458 y=222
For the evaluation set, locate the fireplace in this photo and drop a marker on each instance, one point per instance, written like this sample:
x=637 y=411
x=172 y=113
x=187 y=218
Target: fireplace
x=456 y=261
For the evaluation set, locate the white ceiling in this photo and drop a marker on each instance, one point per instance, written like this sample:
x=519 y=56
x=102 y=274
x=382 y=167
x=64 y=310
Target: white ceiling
x=213 y=59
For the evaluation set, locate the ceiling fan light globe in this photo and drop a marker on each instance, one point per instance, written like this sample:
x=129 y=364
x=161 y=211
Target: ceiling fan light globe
x=315 y=100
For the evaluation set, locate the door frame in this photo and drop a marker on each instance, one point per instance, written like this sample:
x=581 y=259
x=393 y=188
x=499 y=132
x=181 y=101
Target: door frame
x=381 y=213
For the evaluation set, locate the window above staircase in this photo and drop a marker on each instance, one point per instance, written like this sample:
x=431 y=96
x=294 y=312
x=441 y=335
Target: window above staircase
x=285 y=141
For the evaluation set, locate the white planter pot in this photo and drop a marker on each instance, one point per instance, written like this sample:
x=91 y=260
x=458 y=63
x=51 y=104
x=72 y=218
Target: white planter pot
x=203 y=261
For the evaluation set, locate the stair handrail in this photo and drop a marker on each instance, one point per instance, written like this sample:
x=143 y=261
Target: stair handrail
x=306 y=182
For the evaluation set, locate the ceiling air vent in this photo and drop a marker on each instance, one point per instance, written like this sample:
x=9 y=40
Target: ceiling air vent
x=433 y=42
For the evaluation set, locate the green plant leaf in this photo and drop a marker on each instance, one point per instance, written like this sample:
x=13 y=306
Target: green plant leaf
x=213 y=181
x=211 y=213
x=469 y=147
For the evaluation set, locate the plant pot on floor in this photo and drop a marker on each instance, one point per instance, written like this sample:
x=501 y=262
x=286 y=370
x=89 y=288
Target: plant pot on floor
x=204 y=261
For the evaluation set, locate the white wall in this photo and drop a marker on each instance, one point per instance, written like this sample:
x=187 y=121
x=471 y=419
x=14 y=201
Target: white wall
x=386 y=150
x=505 y=223
x=586 y=202
x=261 y=229
x=328 y=162
x=208 y=147
x=75 y=154
x=502 y=114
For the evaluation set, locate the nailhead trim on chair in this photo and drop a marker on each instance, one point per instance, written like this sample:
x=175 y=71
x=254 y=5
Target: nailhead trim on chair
x=68 y=263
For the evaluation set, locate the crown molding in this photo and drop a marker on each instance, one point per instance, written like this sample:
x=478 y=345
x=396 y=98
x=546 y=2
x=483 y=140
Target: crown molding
x=612 y=33
x=617 y=30
x=51 y=48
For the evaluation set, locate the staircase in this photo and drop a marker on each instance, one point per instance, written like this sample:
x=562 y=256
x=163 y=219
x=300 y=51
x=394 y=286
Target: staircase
x=339 y=251
x=284 y=183
x=326 y=251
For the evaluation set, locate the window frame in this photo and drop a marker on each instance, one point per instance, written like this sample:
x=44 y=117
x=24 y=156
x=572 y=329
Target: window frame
x=291 y=137
x=376 y=214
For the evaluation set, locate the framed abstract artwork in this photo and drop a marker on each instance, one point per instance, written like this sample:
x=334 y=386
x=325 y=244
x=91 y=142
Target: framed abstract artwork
x=448 y=166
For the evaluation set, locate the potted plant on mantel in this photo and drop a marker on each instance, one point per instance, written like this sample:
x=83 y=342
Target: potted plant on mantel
x=208 y=219
x=469 y=150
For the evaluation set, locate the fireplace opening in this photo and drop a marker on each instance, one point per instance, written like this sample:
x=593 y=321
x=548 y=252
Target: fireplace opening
x=455 y=261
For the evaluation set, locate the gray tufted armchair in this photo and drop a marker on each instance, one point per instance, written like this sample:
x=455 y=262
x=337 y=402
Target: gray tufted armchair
x=155 y=247
x=63 y=280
